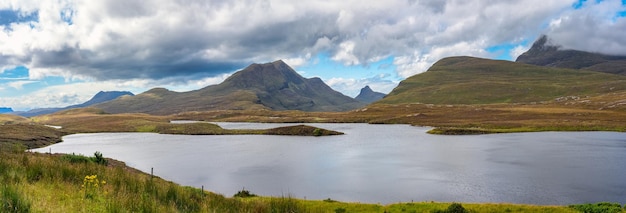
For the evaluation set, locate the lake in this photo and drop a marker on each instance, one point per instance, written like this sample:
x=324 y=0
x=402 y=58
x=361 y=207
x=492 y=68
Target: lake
x=379 y=163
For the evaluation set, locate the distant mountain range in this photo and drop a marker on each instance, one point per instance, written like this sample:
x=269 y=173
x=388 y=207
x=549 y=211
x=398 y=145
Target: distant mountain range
x=274 y=86
x=468 y=80
x=5 y=110
x=367 y=95
x=98 y=98
x=543 y=53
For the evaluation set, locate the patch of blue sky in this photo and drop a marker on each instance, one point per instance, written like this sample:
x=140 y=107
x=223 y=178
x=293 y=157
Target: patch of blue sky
x=324 y=67
x=19 y=72
x=10 y=16
x=503 y=51
x=67 y=15
x=578 y=4
x=15 y=82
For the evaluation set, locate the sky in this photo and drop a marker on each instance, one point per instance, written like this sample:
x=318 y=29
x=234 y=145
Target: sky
x=55 y=53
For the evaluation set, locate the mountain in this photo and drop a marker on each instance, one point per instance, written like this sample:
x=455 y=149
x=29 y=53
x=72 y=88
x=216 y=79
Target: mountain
x=5 y=110
x=468 y=80
x=367 y=95
x=274 y=86
x=543 y=53
x=100 y=97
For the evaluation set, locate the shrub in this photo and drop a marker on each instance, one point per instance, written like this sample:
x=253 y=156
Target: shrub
x=453 y=208
x=99 y=159
x=73 y=158
x=604 y=207
x=244 y=194
x=76 y=158
x=456 y=208
x=317 y=132
x=329 y=200
x=340 y=210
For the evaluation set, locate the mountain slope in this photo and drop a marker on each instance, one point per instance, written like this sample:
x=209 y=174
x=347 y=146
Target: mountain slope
x=367 y=95
x=467 y=80
x=544 y=54
x=100 y=97
x=273 y=86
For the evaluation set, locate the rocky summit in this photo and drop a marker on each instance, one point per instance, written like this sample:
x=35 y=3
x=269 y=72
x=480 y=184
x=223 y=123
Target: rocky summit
x=545 y=53
x=367 y=95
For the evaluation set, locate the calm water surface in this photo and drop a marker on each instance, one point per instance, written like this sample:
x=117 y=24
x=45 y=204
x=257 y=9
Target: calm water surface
x=380 y=163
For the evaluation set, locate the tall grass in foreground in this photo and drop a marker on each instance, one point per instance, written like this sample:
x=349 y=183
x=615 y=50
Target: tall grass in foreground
x=48 y=183
x=34 y=182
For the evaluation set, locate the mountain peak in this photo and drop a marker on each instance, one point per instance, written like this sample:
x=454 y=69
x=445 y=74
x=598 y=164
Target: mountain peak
x=273 y=85
x=545 y=53
x=367 y=95
x=544 y=44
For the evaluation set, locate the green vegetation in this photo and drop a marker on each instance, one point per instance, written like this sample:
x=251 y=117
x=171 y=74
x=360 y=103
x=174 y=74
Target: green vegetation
x=244 y=194
x=602 y=207
x=98 y=159
x=467 y=80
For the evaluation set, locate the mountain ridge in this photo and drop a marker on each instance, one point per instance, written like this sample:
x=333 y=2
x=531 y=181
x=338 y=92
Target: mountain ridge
x=5 y=110
x=274 y=86
x=99 y=97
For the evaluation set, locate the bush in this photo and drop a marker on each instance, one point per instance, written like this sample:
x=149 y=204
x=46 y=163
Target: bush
x=453 y=208
x=84 y=159
x=330 y=200
x=76 y=158
x=317 y=132
x=244 y=194
x=340 y=210
x=604 y=207
x=99 y=159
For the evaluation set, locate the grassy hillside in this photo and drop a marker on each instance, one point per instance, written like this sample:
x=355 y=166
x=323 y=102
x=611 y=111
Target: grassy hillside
x=467 y=80
x=11 y=119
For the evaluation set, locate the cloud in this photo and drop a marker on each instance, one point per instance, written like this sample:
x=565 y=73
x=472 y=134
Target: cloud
x=80 y=92
x=596 y=27
x=19 y=84
x=131 y=39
